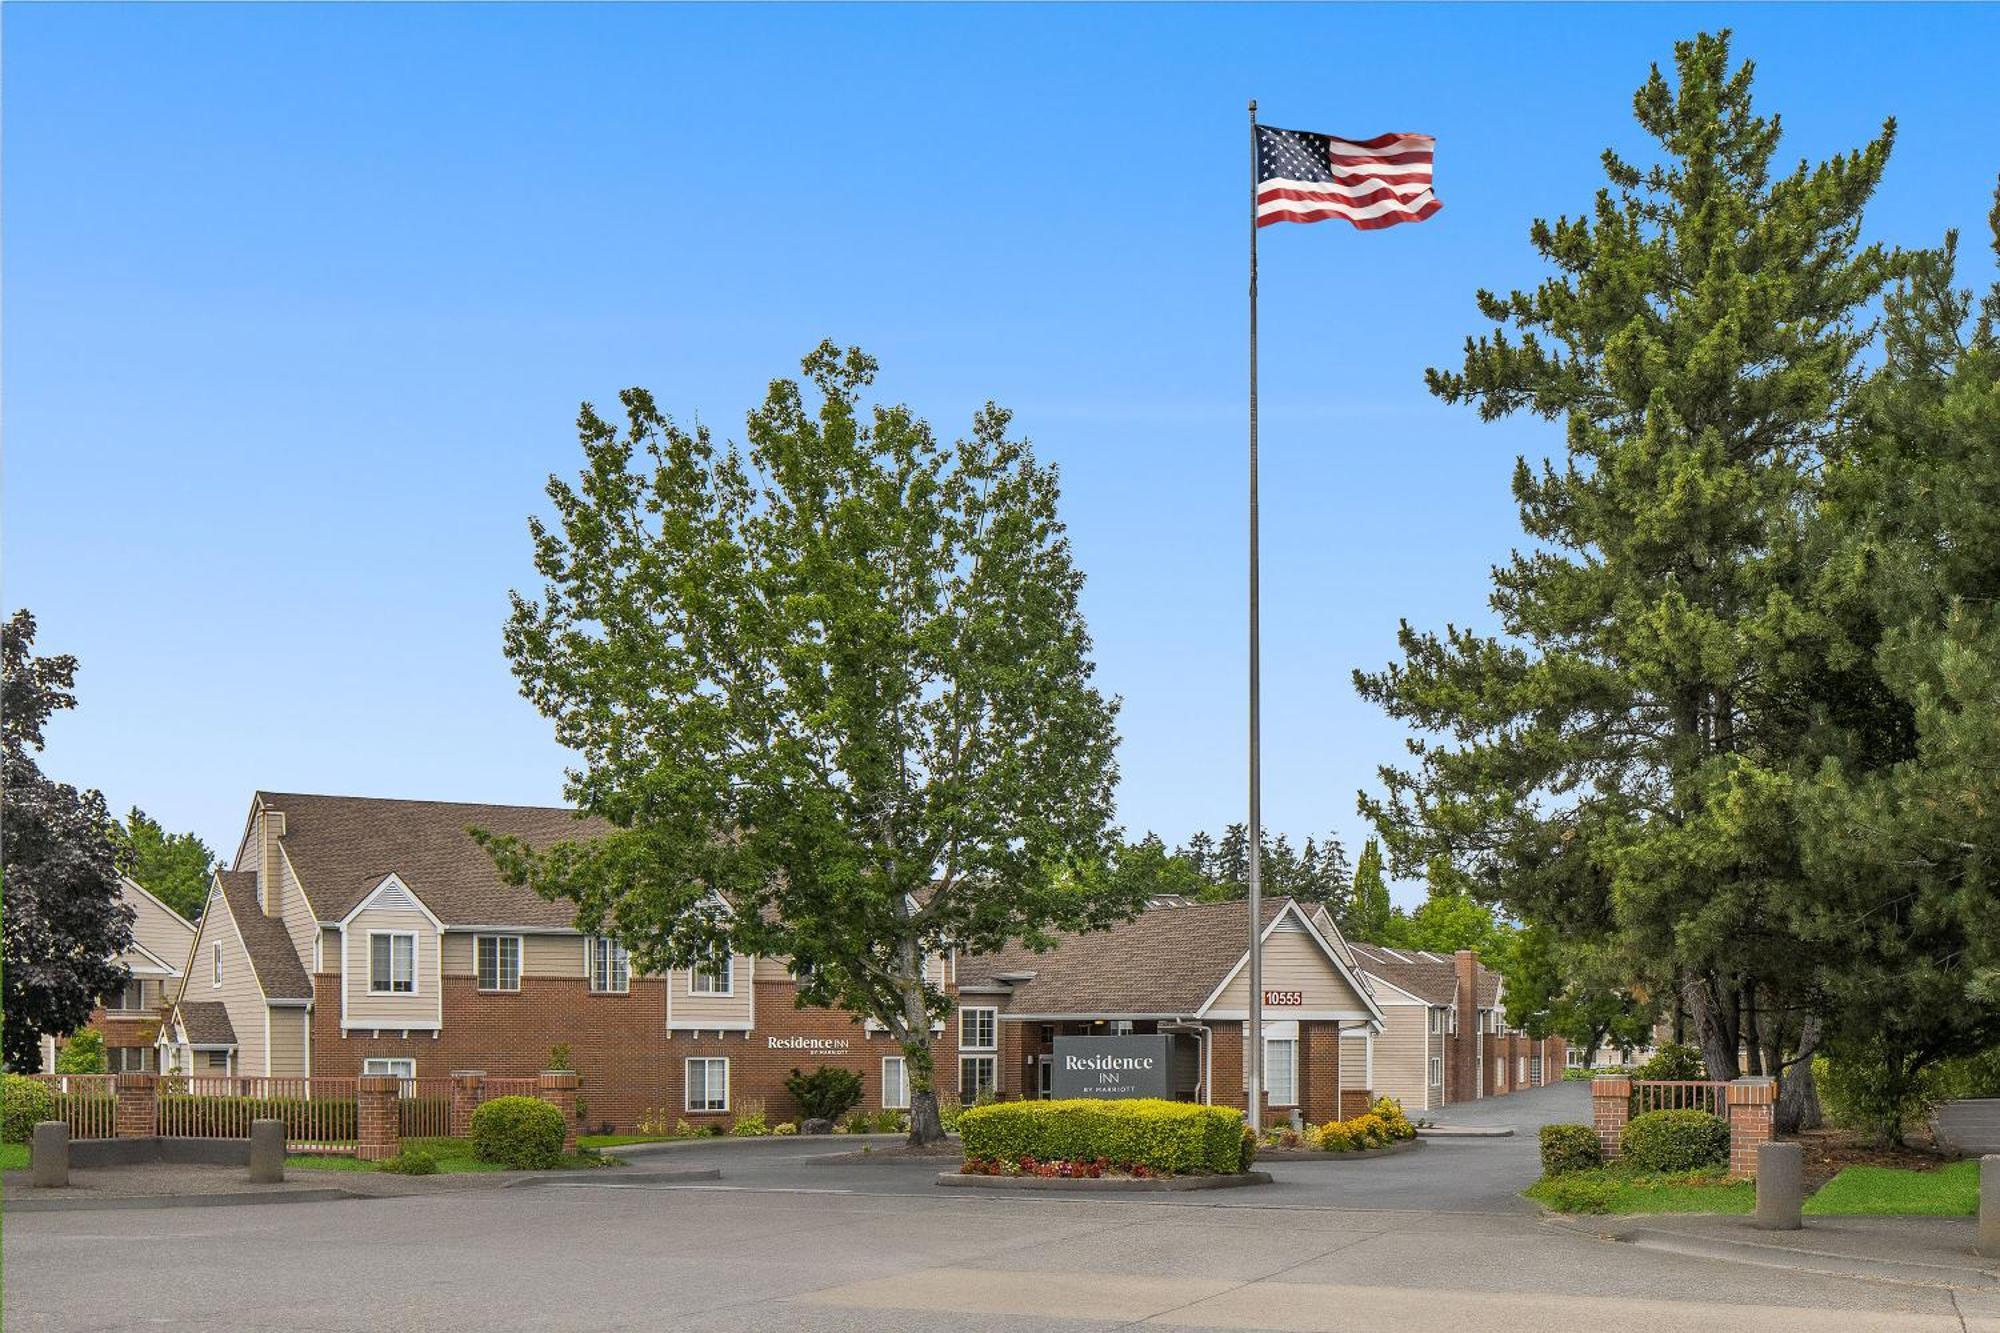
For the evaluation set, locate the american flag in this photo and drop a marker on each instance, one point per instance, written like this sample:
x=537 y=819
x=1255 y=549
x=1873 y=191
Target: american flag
x=1378 y=182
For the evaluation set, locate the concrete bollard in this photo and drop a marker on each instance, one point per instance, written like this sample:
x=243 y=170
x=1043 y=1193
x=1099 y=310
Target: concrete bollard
x=50 y=1155
x=267 y=1152
x=1989 y=1206
x=1781 y=1186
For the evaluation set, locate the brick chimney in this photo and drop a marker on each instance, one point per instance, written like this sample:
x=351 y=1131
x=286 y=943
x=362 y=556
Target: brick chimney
x=270 y=875
x=1463 y=1055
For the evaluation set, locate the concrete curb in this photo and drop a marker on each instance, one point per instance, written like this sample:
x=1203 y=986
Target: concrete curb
x=125 y=1202
x=1313 y=1155
x=1756 y=1254
x=611 y=1176
x=716 y=1140
x=1167 y=1185
x=1465 y=1132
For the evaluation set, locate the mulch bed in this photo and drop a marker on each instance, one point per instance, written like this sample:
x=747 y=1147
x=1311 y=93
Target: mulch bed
x=1828 y=1152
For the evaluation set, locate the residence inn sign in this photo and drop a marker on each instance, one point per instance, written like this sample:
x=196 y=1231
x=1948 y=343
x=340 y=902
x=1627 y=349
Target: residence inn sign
x=1112 y=1067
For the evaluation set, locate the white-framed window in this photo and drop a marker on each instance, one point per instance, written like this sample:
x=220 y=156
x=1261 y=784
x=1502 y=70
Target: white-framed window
x=128 y=1059
x=610 y=966
x=497 y=959
x=1437 y=1022
x=707 y=1083
x=392 y=962
x=977 y=1074
x=978 y=1029
x=1281 y=1070
x=1521 y=1069
x=717 y=978
x=1573 y=1059
x=129 y=999
x=215 y=964
x=1535 y=1069
x=400 y=1066
x=1437 y=1071
x=895 y=1084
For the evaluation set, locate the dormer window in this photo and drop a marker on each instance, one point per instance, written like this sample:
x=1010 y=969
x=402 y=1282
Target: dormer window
x=392 y=963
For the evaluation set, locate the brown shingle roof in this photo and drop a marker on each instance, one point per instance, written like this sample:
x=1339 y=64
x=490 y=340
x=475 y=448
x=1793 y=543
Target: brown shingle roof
x=1428 y=976
x=343 y=846
x=206 y=1023
x=1167 y=960
x=280 y=974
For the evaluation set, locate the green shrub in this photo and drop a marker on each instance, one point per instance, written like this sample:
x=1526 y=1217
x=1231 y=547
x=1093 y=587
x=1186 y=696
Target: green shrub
x=826 y=1093
x=949 y=1110
x=83 y=1053
x=1579 y=1075
x=784 y=1127
x=890 y=1122
x=750 y=1125
x=1246 y=1150
x=324 y=1118
x=524 y=1133
x=1570 y=1148
x=411 y=1162
x=859 y=1122
x=1664 y=1141
x=1674 y=1061
x=1159 y=1135
x=26 y=1102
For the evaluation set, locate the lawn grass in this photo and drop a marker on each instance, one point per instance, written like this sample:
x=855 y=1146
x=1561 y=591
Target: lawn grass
x=13 y=1157
x=620 y=1140
x=1619 y=1191
x=1881 y=1191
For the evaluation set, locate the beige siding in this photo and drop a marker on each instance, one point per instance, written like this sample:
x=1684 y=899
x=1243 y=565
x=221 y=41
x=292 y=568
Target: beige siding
x=693 y=1012
x=541 y=955
x=329 y=952
x=402 y=1010
x=157 y=929
x=239 y=992
x=1294 y=961
x=1354 y=1062
x=1402 y=1057
x=288 y=1042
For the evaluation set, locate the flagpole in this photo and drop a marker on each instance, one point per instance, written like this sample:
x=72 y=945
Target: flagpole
x=1254 y=1029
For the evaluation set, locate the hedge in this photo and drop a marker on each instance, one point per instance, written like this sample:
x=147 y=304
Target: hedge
x=1675 y=1141
x=1164 y=1136
x=26 y=1102
x=1570 y=1148
x=327 y=1119
x=525 y=1133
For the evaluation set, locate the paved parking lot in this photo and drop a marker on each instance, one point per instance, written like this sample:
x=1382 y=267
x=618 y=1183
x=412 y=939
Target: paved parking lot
x=1434 y=1239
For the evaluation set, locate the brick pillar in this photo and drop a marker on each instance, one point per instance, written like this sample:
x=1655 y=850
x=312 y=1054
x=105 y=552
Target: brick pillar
x=1752 y=1102
x=1463 y=1077
x=138 y=1106
x=378 y=1132
x=465 y=1084
x=558 y=1088
x=1610 y=1107
x=1320 y=1087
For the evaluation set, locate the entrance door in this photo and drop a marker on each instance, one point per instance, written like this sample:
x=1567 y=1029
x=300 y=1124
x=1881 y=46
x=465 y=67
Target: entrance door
x=1042 y=1067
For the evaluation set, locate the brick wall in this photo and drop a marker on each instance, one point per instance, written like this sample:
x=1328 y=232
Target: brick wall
x=619 y=1044
x=1319 y=1072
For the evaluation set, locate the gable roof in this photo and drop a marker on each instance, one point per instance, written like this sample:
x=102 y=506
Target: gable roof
x=280 y=974
x=206 y=1023
x=343 y=847
x=1429 y=976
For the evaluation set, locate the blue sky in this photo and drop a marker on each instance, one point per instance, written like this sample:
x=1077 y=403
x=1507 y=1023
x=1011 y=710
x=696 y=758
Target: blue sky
x=300 y=302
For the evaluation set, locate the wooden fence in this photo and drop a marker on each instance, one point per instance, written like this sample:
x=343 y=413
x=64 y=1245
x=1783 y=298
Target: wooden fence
x=87 y=1103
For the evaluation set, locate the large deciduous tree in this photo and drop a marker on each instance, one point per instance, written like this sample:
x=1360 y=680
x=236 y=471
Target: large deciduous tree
x=65 y=924
x=174 y=867
x=1619 y=761
x=832 y=692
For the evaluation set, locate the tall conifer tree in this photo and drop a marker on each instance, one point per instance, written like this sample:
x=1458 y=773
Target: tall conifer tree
x=1617 y=761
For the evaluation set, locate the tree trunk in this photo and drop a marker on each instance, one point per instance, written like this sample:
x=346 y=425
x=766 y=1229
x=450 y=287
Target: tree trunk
x=926 y=1127
x=1714 y=1017
x=1798 y=1092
